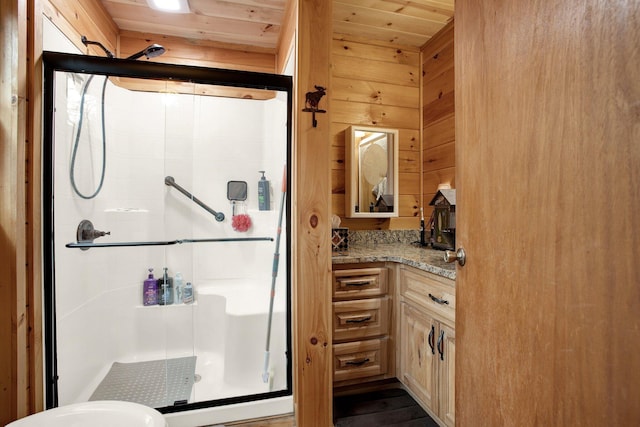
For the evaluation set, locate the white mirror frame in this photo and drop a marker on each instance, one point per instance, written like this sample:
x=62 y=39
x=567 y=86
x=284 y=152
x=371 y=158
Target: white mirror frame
x=352 y=176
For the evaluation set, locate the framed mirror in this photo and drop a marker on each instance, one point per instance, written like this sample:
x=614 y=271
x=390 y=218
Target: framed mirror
x=371 y=179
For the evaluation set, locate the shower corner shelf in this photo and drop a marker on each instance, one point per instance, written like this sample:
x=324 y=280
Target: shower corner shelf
x=158 y=306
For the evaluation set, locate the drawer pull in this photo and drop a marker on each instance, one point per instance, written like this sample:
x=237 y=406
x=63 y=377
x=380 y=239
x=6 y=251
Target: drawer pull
x=357 y=362
x=352 y=281
x=360 y=320
x=438 y=300
x=361 y=283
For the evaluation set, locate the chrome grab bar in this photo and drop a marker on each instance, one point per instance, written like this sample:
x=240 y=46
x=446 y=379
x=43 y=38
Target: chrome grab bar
x=169 y=180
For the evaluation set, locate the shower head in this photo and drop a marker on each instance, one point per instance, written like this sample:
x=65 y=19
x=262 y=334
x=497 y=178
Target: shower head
x=150 y=52
x=88 y=42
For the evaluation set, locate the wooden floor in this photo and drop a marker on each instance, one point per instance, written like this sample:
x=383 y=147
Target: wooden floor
x=390 y=408
x=280 y=421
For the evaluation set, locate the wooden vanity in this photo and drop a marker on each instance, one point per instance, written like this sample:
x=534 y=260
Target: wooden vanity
x=427 y=340
x=394 y=317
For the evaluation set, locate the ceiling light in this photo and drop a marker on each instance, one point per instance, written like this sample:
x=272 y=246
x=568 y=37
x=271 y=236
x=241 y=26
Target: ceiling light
x=171 y=6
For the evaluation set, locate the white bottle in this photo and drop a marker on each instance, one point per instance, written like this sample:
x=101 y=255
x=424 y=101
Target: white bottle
x=179 y=287
x=187 y=294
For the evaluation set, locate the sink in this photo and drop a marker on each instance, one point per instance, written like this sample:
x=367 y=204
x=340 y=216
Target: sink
x=102 y=413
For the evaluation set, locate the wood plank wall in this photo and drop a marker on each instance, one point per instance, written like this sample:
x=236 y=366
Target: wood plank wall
x=438 y=114
x=33 y=242
x=76 y=18
x=312 y=320
x=14 y=326
x=374 y=84
x=286 y=43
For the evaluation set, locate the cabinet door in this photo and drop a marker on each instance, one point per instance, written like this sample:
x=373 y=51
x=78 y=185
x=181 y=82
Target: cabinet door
x=419 y=354
x=447 y=371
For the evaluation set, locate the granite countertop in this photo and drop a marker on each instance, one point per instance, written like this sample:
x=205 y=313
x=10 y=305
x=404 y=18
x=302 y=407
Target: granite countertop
x=426 y=259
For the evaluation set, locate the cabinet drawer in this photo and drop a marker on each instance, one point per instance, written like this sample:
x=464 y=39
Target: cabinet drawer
x=359 y=282
x=359 y=359
x=358 y=319
x=429 y=291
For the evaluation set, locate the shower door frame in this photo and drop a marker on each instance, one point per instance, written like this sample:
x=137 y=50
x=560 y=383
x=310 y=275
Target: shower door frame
x=83 y=64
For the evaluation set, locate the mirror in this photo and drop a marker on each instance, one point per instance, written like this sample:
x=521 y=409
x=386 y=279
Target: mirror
x=371 y=156
x=237 y=190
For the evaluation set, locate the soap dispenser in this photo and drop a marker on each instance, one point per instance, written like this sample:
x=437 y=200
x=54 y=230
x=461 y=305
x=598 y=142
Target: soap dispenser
x=150 y=290
x=264 y=190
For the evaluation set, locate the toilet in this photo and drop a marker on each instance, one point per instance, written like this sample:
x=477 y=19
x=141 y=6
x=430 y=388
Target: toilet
x=102 y=413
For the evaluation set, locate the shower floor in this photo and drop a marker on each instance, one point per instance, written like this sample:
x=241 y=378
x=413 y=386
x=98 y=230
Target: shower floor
x=156 y=383
x=208 y=383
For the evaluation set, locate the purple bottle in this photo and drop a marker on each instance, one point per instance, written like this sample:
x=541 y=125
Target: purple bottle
x=150 y=290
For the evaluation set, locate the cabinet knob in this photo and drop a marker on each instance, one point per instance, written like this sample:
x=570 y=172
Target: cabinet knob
x=459 y=255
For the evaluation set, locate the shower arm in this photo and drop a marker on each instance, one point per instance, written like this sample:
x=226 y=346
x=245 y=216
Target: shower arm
x=168 y=180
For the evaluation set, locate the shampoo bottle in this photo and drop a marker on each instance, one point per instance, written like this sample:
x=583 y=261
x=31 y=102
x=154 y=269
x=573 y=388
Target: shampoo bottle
x=264 y=204
x=150 y=290
x=187 y=295
x=178 y=287
x=165 y=289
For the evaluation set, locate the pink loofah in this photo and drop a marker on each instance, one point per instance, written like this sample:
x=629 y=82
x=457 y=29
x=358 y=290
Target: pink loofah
x=241 y=222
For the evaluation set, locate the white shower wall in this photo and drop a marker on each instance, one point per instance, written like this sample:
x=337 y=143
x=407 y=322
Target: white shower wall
x=203 y=142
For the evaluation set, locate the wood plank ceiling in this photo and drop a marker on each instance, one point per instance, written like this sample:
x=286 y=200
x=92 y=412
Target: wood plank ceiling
x=252 y=25
x=255 y=25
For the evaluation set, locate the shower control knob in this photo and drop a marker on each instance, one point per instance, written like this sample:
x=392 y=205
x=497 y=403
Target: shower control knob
x=87 y=234
x=94 y=234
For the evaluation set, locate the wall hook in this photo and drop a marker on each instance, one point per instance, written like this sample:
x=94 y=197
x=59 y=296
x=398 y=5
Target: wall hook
x=311 y=102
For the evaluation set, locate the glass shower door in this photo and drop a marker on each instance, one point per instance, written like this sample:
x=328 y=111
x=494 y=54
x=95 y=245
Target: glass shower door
x=218 y=328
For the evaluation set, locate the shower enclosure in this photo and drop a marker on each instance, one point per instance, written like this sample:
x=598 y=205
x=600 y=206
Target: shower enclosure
x=171 y=147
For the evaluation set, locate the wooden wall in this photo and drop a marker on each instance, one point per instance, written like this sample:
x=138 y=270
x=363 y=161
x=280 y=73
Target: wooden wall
x=286 y=43
x=14 y=324
x=438 y=115
x=374 y=84
x=312 y=320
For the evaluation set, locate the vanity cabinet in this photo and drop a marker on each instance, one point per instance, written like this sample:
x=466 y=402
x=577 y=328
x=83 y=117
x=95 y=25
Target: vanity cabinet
x=427 y=340
x=361 y=324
